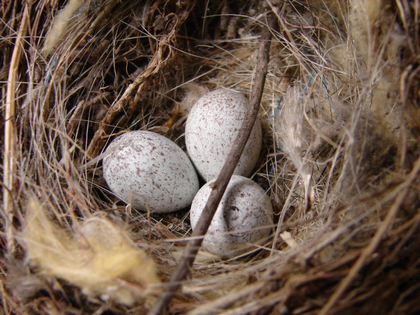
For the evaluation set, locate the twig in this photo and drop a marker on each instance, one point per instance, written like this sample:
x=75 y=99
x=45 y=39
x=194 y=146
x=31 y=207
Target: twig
x=9 y=164
x=222 y=180
x=368 y=250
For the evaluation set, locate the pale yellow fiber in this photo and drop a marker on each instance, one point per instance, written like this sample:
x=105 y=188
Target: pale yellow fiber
x=100 y=259
x=60 y=26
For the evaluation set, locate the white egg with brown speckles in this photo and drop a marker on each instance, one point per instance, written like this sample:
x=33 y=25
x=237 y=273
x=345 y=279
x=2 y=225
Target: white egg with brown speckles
x=211 y=129
x=243 y=217
x=150 y=171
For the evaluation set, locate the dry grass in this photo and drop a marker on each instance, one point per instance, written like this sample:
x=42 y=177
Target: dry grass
x=341 y=162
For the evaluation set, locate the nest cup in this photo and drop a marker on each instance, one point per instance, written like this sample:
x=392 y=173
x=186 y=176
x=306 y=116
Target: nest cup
x=340 y=158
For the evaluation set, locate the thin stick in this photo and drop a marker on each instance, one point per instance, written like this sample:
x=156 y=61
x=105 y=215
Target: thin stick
x=9 y=164
x=223 y=179
x=372 y=246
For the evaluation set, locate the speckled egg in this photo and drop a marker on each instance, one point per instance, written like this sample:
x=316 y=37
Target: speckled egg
x=211 y=129
x=244 y=217
x=148 y=170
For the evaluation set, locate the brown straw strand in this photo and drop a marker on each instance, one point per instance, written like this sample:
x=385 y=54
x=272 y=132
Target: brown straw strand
x=9 y=164
x=374 y=243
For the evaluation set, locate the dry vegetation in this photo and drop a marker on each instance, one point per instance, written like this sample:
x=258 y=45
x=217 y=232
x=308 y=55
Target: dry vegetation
x=341 y=118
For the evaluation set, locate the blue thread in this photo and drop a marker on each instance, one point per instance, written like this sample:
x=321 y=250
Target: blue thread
x=51 y=68
x=277 y=108
x=304 y=91
x=328 y=95
x=309 y=81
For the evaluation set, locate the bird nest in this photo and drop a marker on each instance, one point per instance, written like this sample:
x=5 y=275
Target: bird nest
x=340 y=159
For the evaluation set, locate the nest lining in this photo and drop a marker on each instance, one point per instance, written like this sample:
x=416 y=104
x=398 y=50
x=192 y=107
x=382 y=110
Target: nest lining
x=343 y=182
